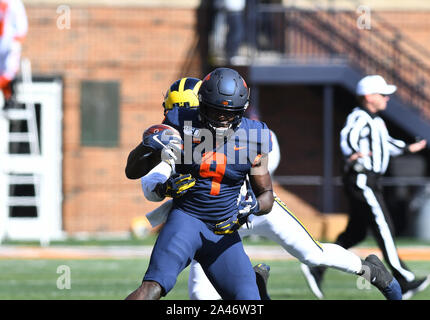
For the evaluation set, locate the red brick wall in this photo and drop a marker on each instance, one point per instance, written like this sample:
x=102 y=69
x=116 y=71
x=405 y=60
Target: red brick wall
x=145 y=50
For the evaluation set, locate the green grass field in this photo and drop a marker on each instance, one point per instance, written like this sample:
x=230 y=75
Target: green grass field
x=101 y=279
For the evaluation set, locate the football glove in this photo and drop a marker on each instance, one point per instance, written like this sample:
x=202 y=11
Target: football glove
x=247 y=206
x=176 y=186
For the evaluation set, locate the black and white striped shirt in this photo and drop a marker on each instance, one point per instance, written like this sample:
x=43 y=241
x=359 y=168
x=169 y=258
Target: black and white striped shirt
x=367 y=133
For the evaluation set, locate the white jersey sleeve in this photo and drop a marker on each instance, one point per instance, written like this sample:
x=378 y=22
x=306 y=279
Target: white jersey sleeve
x=159 y=174
x=396 y=146
x=351 y=133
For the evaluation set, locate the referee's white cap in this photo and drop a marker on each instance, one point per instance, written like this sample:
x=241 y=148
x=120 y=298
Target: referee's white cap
x=374 y=84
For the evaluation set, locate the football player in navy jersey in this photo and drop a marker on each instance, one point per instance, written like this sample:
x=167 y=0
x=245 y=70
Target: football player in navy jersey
x=279 y=226
x=220 y=149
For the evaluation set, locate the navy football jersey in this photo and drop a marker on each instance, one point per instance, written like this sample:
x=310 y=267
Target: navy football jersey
x=219 y=167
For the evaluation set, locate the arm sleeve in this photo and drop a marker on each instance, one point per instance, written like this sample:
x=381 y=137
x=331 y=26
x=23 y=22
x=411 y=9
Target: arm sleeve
x=159 y=174
x=396 y=147
x=138 y=162
x=350 y=136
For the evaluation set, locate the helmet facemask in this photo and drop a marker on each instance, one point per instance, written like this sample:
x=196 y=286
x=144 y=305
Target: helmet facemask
x=220 y=119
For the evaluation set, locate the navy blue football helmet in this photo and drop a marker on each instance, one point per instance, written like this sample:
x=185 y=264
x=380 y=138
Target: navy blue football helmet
x=223 y=98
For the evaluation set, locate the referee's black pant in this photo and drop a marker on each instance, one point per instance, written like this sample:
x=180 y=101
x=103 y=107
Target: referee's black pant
x=368 y=209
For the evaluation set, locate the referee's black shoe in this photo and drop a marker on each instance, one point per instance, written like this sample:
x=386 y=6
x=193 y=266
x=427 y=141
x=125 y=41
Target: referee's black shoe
x=412 y=287
x=379 y=276
x=262 y=274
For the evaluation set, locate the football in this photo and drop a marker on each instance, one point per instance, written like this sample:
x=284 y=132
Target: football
x=167 y=132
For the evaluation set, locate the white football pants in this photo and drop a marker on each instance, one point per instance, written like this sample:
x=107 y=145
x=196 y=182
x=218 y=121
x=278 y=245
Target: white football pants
x=281 y=226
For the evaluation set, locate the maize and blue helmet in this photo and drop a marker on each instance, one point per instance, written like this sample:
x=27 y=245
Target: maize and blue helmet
x=182 y=93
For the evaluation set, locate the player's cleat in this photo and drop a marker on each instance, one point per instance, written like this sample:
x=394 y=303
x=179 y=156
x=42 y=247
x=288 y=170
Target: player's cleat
x=412 y=287
x=262 y=274
x=313 y=277
x=382 y=279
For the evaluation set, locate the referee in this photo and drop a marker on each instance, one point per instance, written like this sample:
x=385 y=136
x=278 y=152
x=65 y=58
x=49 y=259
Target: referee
x=366 y=147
